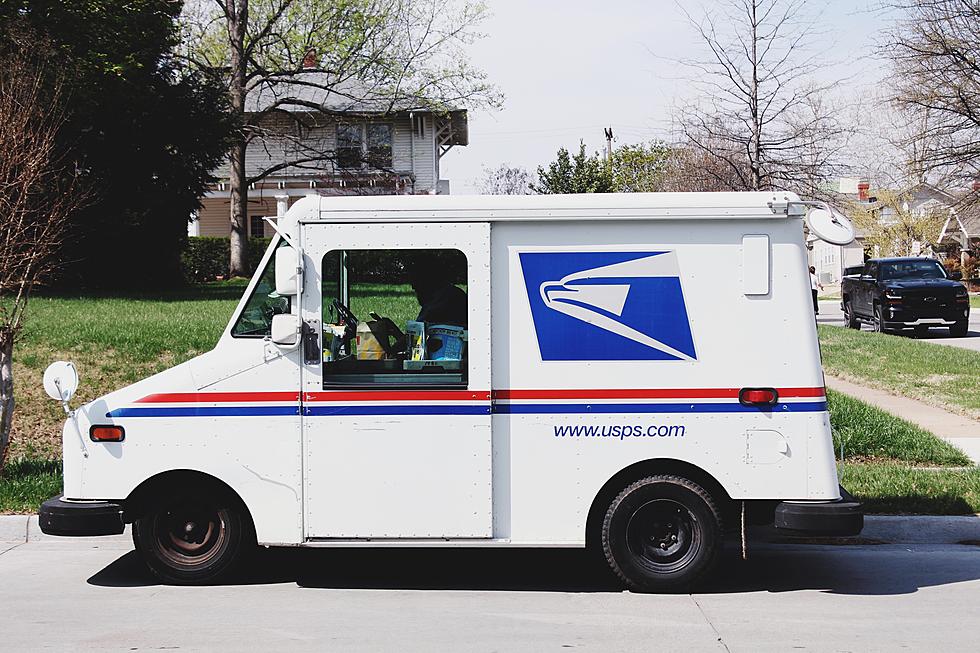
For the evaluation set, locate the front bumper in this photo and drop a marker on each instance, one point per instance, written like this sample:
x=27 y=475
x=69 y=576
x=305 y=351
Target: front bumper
x=842 y=517
x=80 y=518
x=903 y=317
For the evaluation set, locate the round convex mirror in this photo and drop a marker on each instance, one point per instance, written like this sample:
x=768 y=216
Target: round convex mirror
x=830 y=226
x=61 y=381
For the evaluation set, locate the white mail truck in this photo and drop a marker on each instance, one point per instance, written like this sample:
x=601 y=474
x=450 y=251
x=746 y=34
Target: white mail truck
x=635 y=373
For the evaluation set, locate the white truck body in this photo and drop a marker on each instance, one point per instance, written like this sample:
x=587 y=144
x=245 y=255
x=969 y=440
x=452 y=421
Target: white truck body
x=568 y=380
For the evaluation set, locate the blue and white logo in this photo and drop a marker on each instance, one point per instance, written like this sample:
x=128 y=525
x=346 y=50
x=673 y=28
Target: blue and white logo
x=608 y=306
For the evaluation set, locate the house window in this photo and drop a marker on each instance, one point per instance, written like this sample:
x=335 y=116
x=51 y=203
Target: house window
x=256 y=226
x=394 y=317
x=364 y=144
x=419 y=125
x=379 y=145
x=349 y=144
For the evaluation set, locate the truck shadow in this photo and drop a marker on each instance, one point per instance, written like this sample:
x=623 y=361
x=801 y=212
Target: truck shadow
x=849 y=569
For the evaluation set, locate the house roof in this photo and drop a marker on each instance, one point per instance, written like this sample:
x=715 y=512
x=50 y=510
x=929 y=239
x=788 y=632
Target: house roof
x=317 y=91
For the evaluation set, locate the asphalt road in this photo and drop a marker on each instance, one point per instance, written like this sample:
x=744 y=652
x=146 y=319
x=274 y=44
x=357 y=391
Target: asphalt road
x=92 y=594
x=830 y=313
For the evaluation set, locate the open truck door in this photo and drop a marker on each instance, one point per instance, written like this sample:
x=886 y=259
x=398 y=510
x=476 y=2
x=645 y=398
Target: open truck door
x=396 y=397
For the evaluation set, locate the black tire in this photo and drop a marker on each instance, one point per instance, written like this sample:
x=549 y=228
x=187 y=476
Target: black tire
x=662 y=534
x=960 y=329
x=878 y=324
x=194 y=539
x=850 y=319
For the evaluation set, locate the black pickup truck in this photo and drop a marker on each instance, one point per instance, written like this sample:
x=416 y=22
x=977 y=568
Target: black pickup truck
x=905 y=293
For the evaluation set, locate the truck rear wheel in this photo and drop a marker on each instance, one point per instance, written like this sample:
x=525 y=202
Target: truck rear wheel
x=192 y=540
x=662 y=533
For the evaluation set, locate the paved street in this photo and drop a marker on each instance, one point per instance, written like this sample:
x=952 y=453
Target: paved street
x=89 y=594
x=830 y=313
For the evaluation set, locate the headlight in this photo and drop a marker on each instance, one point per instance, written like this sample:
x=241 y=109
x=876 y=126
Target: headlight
x=892 y=294
x=961 y=292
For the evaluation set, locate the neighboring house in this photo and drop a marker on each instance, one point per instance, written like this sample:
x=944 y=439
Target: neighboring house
x=959 y=236
x=376 y=149
x=962 y=229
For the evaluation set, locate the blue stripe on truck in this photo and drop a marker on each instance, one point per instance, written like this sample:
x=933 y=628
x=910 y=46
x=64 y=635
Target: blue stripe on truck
x=515 y=409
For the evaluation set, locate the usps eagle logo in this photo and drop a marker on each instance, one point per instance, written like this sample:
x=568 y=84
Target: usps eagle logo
x=608 y=306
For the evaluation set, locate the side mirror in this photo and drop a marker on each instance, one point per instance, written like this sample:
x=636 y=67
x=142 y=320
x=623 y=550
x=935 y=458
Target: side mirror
x=285 y=329
x=61 y=381
x=286 y=271
x=956 y=276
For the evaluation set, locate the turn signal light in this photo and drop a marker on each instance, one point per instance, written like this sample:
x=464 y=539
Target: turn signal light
x=107 y=433
x=758 y=396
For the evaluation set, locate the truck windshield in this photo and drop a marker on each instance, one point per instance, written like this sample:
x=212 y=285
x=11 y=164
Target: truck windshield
x=256 y=318
x=920 y=269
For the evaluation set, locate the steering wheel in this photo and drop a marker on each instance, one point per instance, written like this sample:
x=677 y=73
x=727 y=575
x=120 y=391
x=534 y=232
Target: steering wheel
x=348 y=318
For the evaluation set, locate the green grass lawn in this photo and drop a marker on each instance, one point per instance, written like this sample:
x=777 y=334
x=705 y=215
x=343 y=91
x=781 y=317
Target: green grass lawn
x=118 y=340
x=974 y=301
x=936 y=374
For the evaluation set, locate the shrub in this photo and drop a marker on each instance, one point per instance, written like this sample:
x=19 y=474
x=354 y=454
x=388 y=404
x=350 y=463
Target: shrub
x=206 y=258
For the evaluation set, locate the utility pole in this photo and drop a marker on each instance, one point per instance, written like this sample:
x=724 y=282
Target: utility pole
x=609 y=139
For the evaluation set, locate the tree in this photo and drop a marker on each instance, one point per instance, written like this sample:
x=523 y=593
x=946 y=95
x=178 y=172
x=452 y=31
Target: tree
x=581 y=173
x=761 y=119
x=640 y=168
x=892 y=228
x=303 y=62
x=505 y=180
x=39 y=192
x=935 y=50
x=146 y=132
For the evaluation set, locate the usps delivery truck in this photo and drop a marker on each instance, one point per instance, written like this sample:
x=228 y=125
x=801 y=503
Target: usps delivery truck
x=635 y=373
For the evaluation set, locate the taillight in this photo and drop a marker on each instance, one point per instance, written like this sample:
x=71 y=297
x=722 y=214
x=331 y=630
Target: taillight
x=758 y=396
x=105 y=433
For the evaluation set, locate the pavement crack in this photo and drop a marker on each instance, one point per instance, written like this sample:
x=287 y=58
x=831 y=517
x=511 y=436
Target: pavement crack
x=705 y=615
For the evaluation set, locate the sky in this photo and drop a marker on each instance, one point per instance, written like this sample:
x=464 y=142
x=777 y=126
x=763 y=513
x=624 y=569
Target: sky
x=569 y=69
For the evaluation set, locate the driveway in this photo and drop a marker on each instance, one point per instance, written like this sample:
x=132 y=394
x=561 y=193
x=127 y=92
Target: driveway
x=830 y=313
x=92 y=594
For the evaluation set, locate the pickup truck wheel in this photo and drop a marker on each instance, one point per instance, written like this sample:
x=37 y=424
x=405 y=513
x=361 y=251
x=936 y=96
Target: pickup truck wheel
x=960 y=329
x=849 y=317
x=878 y=324
x=191 y=540
x=662 y=533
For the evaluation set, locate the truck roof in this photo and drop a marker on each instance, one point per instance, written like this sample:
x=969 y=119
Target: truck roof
x=895 y=259
x=456 y=208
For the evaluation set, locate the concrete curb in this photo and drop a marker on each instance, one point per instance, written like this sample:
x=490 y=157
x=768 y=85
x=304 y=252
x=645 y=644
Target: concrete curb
x=894 y=529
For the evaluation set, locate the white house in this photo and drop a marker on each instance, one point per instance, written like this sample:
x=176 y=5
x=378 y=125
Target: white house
x=374 y=148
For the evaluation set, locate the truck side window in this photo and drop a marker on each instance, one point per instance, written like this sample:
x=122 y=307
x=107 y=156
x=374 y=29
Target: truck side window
x=256 y=318
x=871 y=270
x=394 y=317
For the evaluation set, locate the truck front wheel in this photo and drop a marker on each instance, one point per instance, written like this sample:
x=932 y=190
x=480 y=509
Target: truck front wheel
x=850 y=319
x=662 y=533
x=192 y=540
x=879 y=320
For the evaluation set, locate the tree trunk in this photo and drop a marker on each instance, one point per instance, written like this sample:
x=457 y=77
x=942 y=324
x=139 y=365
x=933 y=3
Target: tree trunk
x=6 y=394
x=238 y=187
x=238 y=184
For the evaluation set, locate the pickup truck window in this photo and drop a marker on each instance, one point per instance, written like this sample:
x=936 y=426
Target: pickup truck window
x=918 y=269
x=871 y=270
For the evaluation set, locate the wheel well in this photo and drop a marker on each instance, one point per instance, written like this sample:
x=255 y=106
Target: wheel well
x=645 y=468
x=148 y=493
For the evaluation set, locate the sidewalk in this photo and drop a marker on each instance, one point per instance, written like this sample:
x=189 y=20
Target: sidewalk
x=958 y=430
